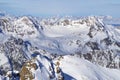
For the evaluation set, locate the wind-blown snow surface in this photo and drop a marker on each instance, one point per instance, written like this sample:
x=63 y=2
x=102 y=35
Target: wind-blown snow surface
x=80 y=69
x=58 y=49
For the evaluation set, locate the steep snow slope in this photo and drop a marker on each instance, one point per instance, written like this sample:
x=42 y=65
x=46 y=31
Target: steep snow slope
x=58 y=48
x=80 y=69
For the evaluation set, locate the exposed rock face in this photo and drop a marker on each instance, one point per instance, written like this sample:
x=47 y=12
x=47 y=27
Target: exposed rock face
x=13 y=54
x=27 y=70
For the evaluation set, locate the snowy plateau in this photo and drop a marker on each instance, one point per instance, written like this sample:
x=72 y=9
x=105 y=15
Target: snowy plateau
x=56 y=48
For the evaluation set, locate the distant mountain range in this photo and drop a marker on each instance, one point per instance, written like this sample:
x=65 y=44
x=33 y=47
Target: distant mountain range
x=64 y=48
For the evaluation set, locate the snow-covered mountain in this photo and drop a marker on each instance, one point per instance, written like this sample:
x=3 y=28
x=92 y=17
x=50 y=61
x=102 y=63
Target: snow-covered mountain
x=58 y=49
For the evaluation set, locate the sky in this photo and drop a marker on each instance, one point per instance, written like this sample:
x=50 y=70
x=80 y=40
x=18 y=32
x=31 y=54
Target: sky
x=61 y=7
